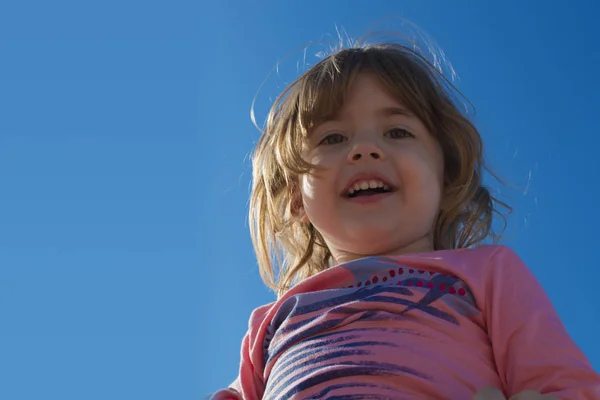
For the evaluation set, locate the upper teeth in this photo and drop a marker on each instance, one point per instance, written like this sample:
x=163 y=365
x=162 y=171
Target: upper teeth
x=364 y=185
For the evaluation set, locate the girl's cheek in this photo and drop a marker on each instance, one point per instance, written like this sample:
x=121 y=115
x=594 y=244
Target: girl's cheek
x=336 y=155
x=414 y=167
x=321 y=159
x=309 y=187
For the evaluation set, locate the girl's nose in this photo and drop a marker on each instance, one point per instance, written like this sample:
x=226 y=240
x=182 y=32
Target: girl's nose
x=364 y=151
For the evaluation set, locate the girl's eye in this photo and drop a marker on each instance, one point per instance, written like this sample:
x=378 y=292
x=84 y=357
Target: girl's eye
x=333 y=138
x=397 y=133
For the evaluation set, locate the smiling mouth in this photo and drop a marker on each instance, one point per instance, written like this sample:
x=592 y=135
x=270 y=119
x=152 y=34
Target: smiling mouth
x=368 y=192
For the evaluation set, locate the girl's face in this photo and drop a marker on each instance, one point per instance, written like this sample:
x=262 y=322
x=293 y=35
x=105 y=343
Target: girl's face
x=374 y=144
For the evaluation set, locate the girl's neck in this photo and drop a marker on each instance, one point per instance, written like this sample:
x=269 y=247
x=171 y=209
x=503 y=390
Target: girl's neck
x=421 y=245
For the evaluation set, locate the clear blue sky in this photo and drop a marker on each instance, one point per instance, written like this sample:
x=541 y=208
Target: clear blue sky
x=126 y=267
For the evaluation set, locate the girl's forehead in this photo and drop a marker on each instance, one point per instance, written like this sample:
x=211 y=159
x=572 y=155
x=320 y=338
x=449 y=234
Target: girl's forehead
x=343 y=93
x=365 y=91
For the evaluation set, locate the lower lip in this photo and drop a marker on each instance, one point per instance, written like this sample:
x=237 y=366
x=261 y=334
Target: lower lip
x=374 y=198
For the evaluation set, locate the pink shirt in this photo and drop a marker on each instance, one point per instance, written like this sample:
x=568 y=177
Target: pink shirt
x=435 y=325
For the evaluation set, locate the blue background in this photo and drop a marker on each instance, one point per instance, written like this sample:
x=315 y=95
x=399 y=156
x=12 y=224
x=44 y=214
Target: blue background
x=126 y=267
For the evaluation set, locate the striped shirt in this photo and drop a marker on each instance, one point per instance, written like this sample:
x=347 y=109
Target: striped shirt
x=437 y=325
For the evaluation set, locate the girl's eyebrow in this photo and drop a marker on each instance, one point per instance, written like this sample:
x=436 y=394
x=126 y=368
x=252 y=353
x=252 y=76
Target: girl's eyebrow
x=391 y=111
x=383 y=112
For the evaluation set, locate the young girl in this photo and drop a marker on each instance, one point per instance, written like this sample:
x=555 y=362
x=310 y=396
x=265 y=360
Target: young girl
x=368 y=199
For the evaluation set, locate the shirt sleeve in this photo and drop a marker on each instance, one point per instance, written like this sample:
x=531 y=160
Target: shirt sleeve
x=227 y=394
x=246 y=386
x=531 y=346
x=249 y=384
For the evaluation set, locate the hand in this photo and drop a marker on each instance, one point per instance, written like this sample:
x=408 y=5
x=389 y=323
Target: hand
x=492 y=393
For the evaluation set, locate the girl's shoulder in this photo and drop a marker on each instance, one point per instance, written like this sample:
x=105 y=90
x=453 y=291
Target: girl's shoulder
x=478 y=268
x=471 y=260
x=480 y=259
x=483 y=252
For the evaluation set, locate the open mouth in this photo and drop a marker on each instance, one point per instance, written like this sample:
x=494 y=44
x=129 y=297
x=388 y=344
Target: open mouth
x=368 y=192
x=369 y=187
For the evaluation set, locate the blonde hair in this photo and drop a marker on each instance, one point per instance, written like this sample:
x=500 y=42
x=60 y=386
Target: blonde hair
x=297 y=248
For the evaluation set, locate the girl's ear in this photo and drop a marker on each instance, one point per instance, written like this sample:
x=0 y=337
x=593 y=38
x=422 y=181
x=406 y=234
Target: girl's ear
x=297 y=206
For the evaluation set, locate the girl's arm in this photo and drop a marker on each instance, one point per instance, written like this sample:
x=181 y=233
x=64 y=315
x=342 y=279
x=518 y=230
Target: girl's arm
x=249 y=384
x=532 y=349
x=245 y=387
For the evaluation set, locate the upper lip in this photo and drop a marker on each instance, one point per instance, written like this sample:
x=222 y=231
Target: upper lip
x=366 y=176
